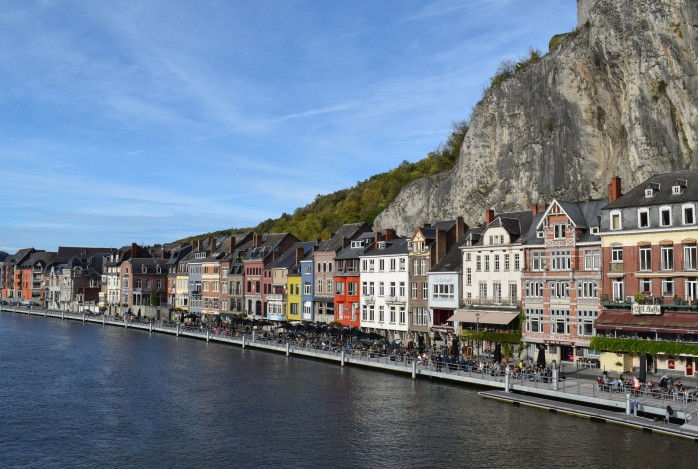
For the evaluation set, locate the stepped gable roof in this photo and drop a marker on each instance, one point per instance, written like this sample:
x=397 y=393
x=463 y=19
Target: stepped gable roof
x=583 y=214
x=453 y=259
x=517 y=224
x=663 y=193
x=393 y=247
x=348 y=231
x=288 y=257
x=349 y=252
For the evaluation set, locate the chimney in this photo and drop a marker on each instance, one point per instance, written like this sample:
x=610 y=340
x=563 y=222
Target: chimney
x=460 y=228
x=489 y=216
x=345 y=241
x=441 y=244
x=388 y=234
x=378 y=237
x=426 y=225
x=299 y=255
x=211 y=244
x=256 y=240
x=538 y=208
x=134 y=250
x=614 y=189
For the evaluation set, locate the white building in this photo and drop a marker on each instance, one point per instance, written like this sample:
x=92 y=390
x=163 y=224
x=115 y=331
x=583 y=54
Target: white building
x=384 y=279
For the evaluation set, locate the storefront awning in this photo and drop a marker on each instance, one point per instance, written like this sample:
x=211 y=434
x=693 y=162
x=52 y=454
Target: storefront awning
x=485 y=317
x=668 y=322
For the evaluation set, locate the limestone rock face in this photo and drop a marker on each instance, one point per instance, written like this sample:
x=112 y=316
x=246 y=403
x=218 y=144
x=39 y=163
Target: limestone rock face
x=618 y=96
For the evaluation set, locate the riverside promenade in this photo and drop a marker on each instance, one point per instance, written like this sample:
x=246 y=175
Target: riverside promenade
x=577 y=394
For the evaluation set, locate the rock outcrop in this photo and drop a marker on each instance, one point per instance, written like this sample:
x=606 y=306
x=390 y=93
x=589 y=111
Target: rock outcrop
x=617 y=96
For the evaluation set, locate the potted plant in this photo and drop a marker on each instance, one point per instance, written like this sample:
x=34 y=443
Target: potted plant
x=639 y=296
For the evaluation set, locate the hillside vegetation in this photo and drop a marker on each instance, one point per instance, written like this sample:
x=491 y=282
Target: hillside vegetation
x=360 y=203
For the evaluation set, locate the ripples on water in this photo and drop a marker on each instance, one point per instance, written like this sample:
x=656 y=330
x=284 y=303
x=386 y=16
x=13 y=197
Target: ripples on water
x=84 y=395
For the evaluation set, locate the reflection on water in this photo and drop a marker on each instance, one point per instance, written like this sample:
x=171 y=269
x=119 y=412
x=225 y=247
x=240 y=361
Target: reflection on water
x=84 y=395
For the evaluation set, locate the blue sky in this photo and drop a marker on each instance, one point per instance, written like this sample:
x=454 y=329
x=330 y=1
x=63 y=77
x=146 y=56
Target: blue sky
x=148 y=121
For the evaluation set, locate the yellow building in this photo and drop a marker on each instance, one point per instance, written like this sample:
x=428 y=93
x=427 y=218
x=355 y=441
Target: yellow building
x=293 y=287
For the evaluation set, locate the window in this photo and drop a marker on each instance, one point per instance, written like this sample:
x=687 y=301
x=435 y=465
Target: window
x=538 y=261
x=589 y=289
x=487 y=263
x=483 y=291
x=306 y=288
x=616 y=223
x=668 y=286
x=467 y=257
x=616 y=253
x=618 y=289
x=689 y=215
x=513 y=292
x=534 y=320
x=646 y=285
x=415 y=266
x=425 y=290
x=643 y=218
x=402 y=289
x=645 y=258
x=560 y=260
x=689 y=258
x=443 y=292
x=381 y=265
x=665 y=216
x=329 y=285
x=351 y=288
x=319 y=285
x=585 y=323
x=667 y=256
x=496 y=262
x=477 y=264
x=393 y=264
x=381 y=313
x=403 y=264
x=591 y=259
x=372 y=313
x=392 y=314
x=372 y=264
x=496 y=292
x=559 y=231
x=392 y=289
x=402 y=315
x=468 y=276
x=381 y=289
x=559 y=289
x=517 y=262
x=560 y=321
x=414 y=290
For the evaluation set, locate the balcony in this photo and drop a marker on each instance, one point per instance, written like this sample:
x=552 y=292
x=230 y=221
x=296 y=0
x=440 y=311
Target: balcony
x=369 y=299
x=667 y=303
x=276 y=297
x=395 y=299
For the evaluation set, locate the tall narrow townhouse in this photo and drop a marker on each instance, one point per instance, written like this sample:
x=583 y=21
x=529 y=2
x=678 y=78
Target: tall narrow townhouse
x=174 y=258
x=324 y=268
x=307 y=287
x=211 y=280
x=384 y=267
x=562 y=279
x=347 y=279
x=428 y=245
x=277 y=294
x=265 y=250
x=445 y=286
x=3 y=258
x=236 y=275
x=492 y=273
x=650 y=264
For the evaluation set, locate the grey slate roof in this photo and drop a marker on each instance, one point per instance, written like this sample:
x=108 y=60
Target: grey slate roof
x=517 y=224
x=348 y=231
x=584 y=214
x=394 y=247
x=453 y=260
x=288 y=258
x=635 y=197
x=353 y=253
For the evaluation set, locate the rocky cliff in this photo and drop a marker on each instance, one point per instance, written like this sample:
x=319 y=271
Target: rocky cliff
x=618 y=96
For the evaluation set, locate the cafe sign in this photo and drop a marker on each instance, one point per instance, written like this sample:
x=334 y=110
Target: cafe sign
x=639 y=309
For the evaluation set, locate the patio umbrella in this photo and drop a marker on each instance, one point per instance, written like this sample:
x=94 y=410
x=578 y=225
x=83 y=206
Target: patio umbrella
x=541 y=357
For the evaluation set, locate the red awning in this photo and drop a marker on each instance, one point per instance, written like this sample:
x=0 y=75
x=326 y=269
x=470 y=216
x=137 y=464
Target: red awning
x=669 y=322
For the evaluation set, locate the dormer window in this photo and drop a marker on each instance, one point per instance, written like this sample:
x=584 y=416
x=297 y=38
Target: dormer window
x=540 y=234
x=616 y=222
x=357 y=244
x=144 y=269
x=679 y=186
x=594 y=230
x=651 y=189
x=381 y=245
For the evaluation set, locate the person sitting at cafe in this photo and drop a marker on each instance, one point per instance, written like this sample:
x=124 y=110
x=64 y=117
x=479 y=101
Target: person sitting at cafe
x=636 y=383
x=616 y=384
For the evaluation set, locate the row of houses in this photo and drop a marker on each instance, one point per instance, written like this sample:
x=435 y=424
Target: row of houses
x=563 y=272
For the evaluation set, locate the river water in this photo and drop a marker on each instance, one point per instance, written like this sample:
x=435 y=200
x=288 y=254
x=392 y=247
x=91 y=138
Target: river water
x=85 y=395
